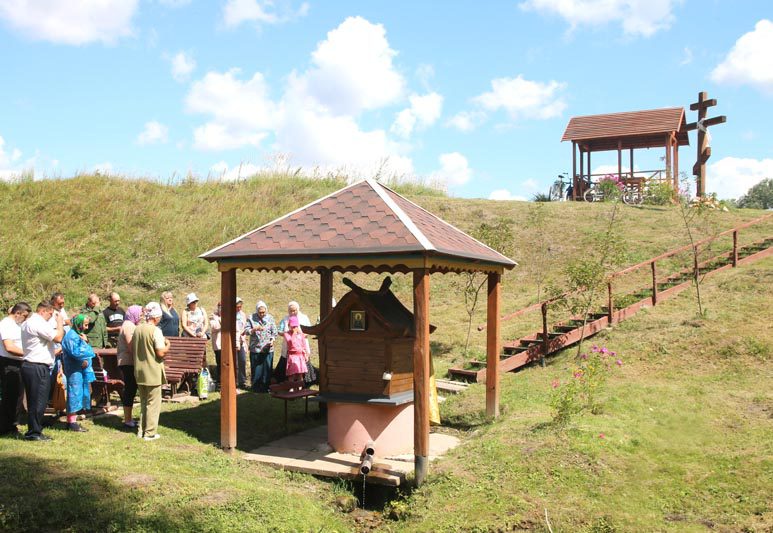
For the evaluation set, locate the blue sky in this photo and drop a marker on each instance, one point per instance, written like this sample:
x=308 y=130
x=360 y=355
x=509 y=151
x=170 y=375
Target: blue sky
x=473 y=96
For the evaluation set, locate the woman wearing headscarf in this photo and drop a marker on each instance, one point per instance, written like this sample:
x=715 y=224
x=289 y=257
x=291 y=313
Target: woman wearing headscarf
x=77 y=356
x=262 y=331
x=126 y=363
x=293 y=309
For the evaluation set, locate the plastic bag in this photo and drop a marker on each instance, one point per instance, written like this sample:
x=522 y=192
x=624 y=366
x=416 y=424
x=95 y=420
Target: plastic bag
x=202 y=386
x=59 y=396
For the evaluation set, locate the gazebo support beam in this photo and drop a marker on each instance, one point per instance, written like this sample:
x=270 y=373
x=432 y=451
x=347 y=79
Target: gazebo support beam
x=228 y=361
x=421 y=376
x=325 y=306
x=492 y=345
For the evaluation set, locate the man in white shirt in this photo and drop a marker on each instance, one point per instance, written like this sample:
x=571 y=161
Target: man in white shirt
x=38 y=338
x=10 y=368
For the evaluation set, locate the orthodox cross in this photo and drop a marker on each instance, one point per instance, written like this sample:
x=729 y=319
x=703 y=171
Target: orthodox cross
x=704 y=138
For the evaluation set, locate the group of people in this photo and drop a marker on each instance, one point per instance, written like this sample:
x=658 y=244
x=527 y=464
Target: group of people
x=38 y=348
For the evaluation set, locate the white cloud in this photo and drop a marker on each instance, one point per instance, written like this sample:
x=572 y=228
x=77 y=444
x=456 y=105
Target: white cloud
x=637 y=17
x=424 y=111
x=72 y=23
x=236 y=12
x=732 y=177
x=183 y=66
x=174 y=3
x=687 y=57
x=241 y=110
x=504 y=194
x=154 y=133
x=353 y=70
x=454 y=170
x=466 y=120
x=10 y=167
x=316 y=119
x=522 y=98
x=750 y=61
x=222 y=172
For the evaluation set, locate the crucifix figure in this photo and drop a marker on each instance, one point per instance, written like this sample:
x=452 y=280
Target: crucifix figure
x=704 y=138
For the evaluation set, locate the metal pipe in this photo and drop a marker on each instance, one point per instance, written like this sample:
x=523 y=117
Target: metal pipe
x=370 y=448
x=366 y=465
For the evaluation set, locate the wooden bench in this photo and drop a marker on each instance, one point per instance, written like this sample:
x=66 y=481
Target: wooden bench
x=109 y=376
x=288 y=391
x=183 y=362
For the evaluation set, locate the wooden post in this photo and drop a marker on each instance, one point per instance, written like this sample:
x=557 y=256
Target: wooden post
x=544 y=333
x=620 y=160
x=590 y=179
x=654 y=285
x=631 y=161
x=574 y=170
x=325 y=306
x=493 y=347
x=735 y=248
x=421 y=376
x=675 y=162
x=227 y=361
x=609 y=303
x=669 y=174
x=581 y=191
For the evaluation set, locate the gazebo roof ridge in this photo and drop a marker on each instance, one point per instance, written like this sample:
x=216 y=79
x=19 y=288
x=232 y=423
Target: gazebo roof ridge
x=365 y=220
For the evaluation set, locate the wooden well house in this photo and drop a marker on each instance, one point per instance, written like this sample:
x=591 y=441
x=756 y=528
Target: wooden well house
x=366 y=345
x=366 y=353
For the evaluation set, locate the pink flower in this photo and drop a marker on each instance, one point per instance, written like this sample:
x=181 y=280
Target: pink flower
x=604 y=350
x=555 y=383
x=613 y=354
x=619 y=362
x=578 y=374
x=584 y=357
x=594 y=348
x=601 y=435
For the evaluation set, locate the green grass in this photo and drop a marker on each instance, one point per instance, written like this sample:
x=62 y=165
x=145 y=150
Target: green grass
x=688 y=438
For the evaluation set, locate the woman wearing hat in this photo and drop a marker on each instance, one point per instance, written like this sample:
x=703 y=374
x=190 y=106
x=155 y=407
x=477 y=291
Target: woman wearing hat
x=194 y=318
x=77 y=367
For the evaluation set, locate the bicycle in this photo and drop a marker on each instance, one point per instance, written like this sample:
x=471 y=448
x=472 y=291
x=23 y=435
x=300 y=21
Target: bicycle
x=557 y=192
x=631 y=194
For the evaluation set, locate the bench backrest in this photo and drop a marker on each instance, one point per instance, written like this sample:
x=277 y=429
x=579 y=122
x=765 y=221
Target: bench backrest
x=186 y=353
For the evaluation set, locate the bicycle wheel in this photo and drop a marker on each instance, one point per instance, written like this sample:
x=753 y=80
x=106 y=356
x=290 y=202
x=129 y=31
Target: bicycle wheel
x=633 y=198
x=589 y=196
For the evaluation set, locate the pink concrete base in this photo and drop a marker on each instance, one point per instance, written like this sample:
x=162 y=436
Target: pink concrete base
x=350 y=426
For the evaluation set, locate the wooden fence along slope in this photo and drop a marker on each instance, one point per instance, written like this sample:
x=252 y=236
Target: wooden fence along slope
x=536 y=346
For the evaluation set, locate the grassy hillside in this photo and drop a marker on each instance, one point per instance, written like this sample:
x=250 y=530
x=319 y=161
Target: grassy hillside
x=683 y=442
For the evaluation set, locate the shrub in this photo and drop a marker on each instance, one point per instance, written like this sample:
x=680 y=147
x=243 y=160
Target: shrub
x=582 y=391
x=659 y=193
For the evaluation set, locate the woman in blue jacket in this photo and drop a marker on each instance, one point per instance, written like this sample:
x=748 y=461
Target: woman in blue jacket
x=77 y=367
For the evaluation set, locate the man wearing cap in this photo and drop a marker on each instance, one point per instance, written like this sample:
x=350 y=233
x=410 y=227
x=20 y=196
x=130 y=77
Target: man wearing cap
x=149 y=347
x=262 y=330
x=37 y=340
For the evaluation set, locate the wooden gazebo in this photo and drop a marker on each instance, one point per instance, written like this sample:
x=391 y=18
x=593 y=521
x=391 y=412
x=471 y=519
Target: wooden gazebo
x=365 y=227
x=654 y=128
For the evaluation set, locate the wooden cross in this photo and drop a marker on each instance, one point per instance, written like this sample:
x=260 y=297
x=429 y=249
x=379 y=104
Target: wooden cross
x=704 y=150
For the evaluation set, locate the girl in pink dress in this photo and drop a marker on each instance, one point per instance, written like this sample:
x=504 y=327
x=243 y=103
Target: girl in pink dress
x=297 y=353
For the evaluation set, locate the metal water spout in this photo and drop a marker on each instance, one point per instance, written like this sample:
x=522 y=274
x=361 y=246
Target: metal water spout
x=366 y=465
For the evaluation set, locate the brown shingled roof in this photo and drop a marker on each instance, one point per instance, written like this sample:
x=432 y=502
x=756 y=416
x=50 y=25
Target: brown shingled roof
x=637 y=129
x=365 y=218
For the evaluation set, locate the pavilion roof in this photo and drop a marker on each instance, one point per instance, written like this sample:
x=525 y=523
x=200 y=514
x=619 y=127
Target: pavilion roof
x=364 y=226
x=634 y=129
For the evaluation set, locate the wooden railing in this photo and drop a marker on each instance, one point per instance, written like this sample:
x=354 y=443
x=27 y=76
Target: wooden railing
x=649 y=175
x=695 y=248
